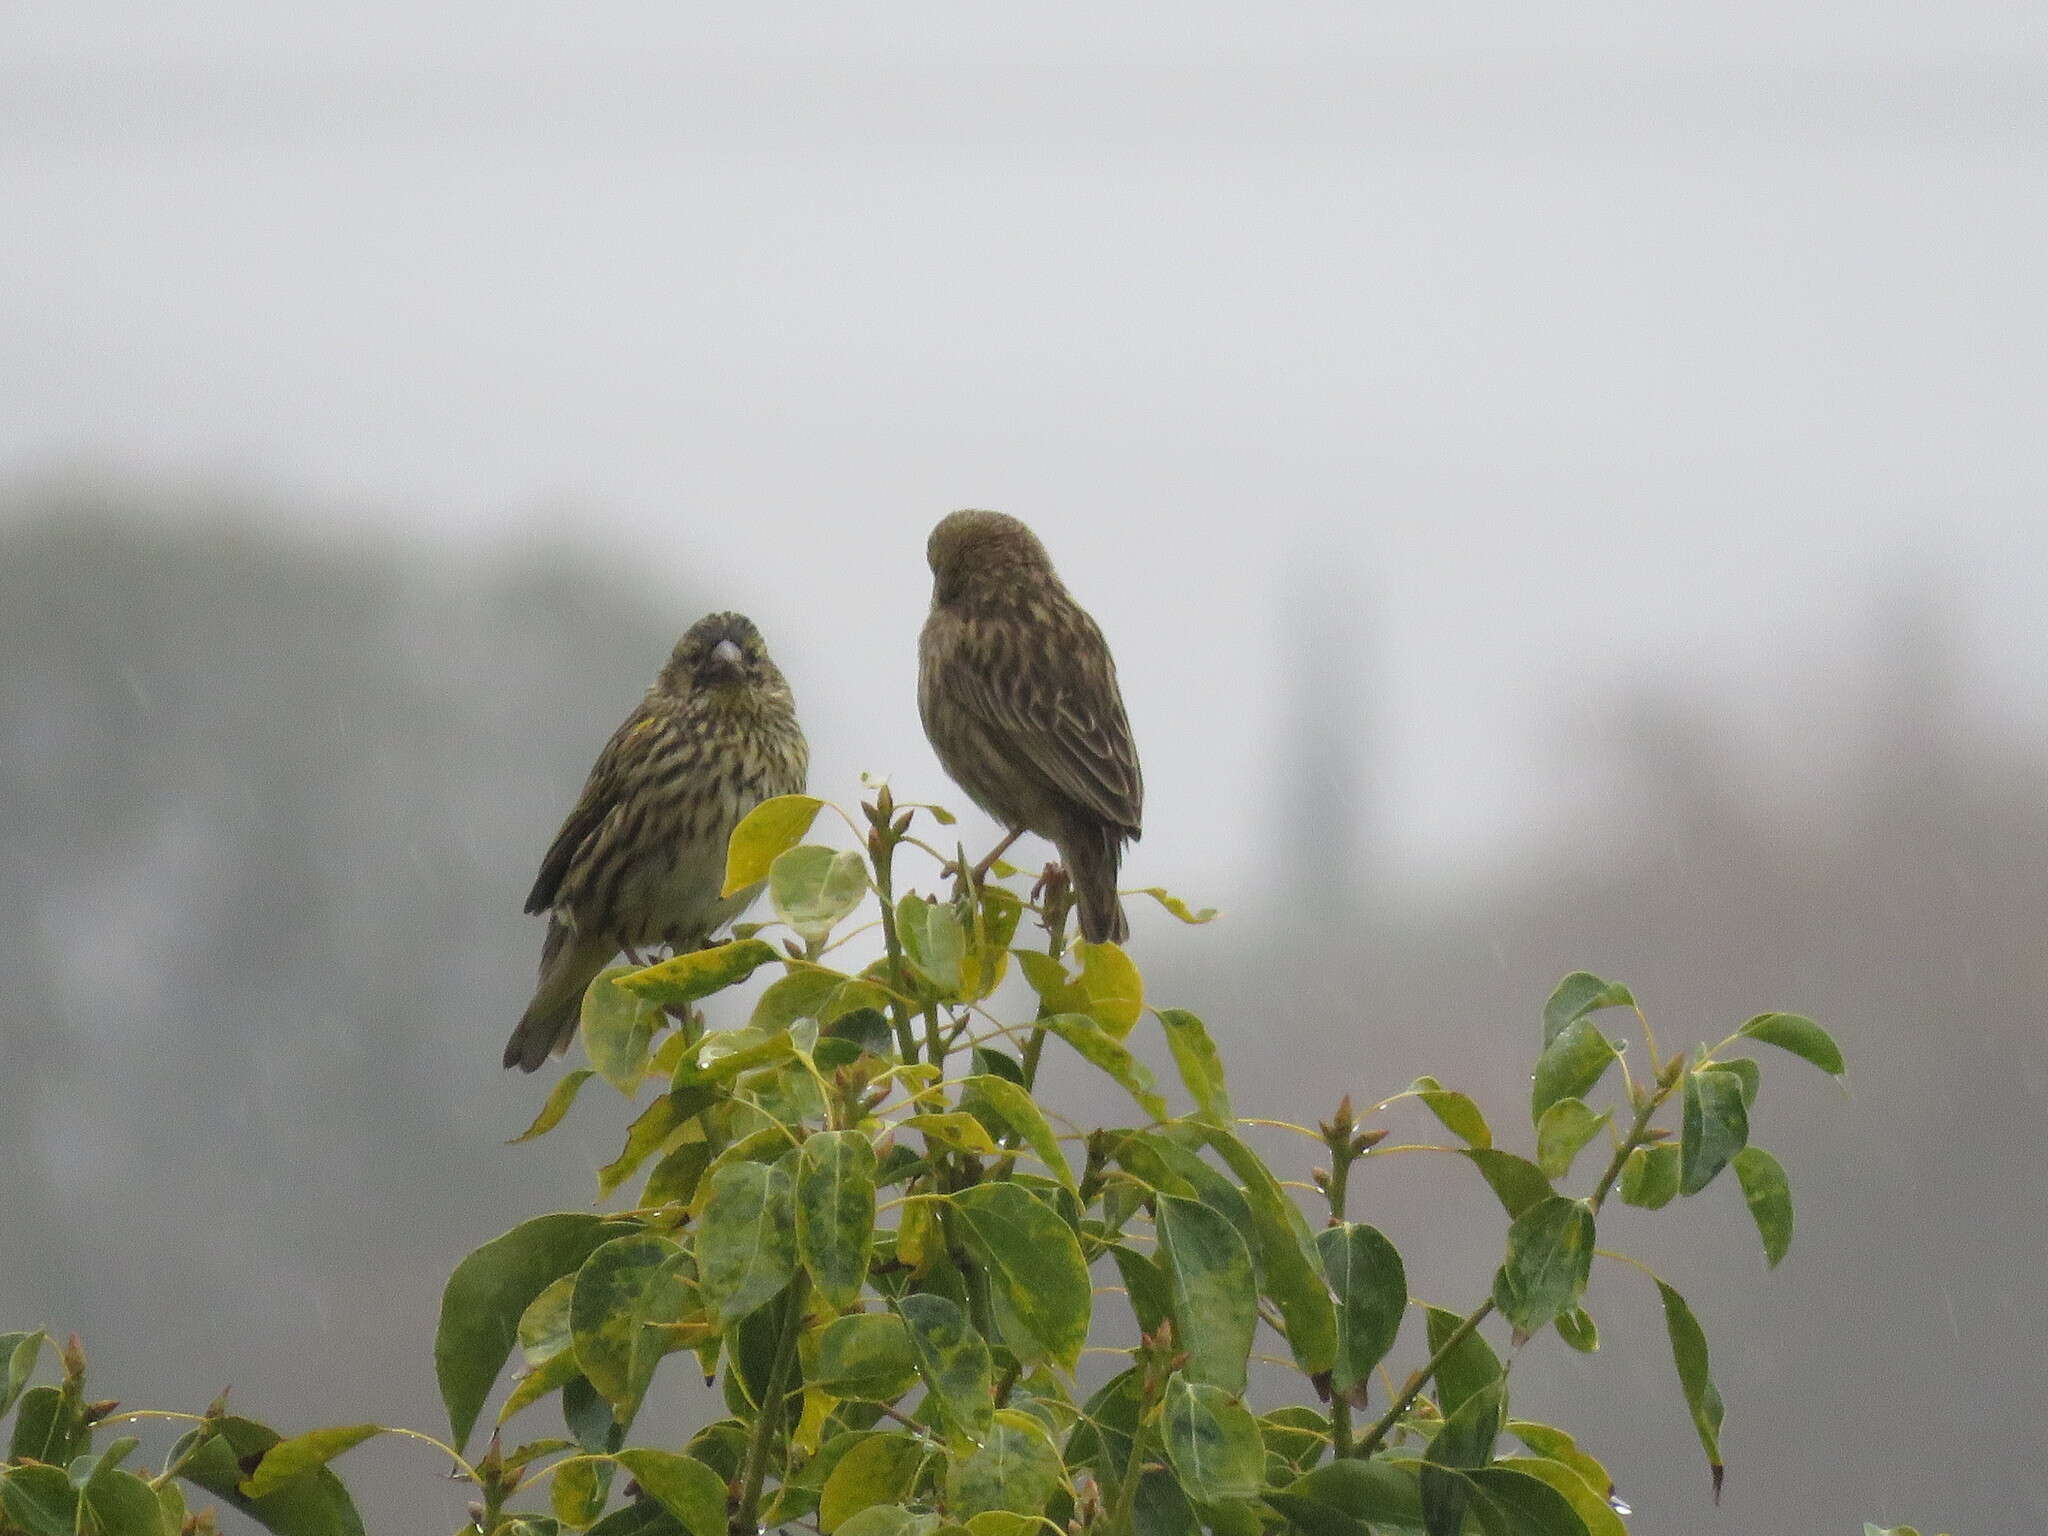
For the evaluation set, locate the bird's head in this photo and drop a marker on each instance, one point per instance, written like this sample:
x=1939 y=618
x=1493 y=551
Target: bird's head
x=721 y=650
x=972 y=547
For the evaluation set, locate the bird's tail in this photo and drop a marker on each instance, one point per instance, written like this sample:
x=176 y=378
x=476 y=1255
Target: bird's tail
x=568 y=965
x=1093 y=854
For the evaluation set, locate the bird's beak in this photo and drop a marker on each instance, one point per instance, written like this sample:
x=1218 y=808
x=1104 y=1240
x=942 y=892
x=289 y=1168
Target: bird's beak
x=726 y=658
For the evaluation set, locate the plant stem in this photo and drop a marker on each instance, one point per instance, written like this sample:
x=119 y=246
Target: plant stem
x=1413 y=1390
x=1669 y=1081
x=745 y=1520
x=882 y=853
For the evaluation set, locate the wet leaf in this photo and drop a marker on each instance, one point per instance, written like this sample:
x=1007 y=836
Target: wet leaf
x=933 y=942
x=1014 y=1113
x=1288 y=1262
x=682 y=1485
x=954 y=1130
x=1466 y=1370
x=39 y=1499
x=20 y=1351
x=866 y=1356
x=880 y=1470
x=1576 y=996
x=1112 y=987
x=1098 y=1048
x=313 y=1505
x=618 y=1027
x=1465 y=1441
x=292 y=1459
x=1516 y=1182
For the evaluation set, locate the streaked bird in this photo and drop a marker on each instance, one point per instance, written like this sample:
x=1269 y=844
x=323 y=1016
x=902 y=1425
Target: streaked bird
x=641 y=859
x=1019 y=698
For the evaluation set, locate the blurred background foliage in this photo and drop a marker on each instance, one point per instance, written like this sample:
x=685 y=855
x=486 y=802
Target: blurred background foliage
x=268 y=804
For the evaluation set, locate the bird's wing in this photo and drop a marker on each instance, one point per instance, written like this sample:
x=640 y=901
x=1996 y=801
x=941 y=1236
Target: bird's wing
x=1057 y=706
x=601 y=792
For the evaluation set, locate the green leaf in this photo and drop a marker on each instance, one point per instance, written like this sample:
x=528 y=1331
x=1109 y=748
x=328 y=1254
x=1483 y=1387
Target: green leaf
x=954 y=1361
x=1714 y=1128
x=1576 y=996
x=1689 y=1354
x=313 y=1505
x=560 y=1097
x=1801 y=1036
x=698 y=973
x=835 y=1212
x=1201 y=1069
x=1212 y=1442
x=618 y=1027
x=1563 y=1132
x=1175 y=905
x=49 y=1425
x=1338 y=1498
x=763 y=835
x=933 y=942
x=1769 y=1194
x=1508 y=1501
x=1590 y=1511
x=1213 y=1295
x=622 y=1287
x=1034 y=1260
x=725 y=1054
x=1569 y=1067
x=1461 y=1117
x=1113 y=991
x=118 y=1503
x=1145 y=1287
x=746 y=1243
x=682 y=1485
x=881 y=1469
x=890 y=1520
x=292 y=1459
x=1465 y=1441
x=1576 y=1327
x=39 y=1499
x=1515 y=1181
x=1371 y=1283
x=551 y=1375
x=650 y=1131
x=953 y=1130
x=866 y=1356
x=1550 y=1256
x=813 y=888
x=992 y=1098
x=676 y=1177
x=484 y=1298
x=1750 y=1071
x=1292 y=1275
x=988 y=929
x=1100 y=1050
x=20 y=1350
x=1466 y=1370
x=1014 y=1468
x=1554 y=1444
x=1649 y=1176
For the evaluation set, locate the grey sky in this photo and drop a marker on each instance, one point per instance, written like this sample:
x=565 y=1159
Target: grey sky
x=1574 y=345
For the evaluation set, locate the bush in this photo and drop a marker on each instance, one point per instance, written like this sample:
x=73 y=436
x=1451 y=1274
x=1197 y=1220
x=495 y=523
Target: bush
x=858 y=1214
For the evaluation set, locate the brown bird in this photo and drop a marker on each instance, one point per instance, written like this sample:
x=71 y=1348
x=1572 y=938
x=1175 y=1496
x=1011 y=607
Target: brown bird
x=1020 y=702
x=641 y=859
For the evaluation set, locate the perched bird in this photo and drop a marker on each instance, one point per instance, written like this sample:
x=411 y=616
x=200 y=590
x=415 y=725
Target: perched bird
x=1019 y=698
x=642 y=857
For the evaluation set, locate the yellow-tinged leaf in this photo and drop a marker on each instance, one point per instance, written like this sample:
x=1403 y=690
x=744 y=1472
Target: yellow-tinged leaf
x=1113 y=987
x=1175 y=905
x=961 y=1132
x=764 y=834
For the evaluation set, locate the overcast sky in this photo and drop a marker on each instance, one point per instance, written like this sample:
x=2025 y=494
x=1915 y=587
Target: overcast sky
x=1568 y=346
